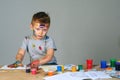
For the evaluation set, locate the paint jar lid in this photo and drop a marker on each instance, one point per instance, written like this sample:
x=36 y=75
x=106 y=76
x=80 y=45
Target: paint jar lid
x=80 y=67
x=50 y=73
x=59 y=68
x=117 y=63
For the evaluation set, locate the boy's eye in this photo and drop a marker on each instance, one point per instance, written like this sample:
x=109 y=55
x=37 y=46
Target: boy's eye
x=37 y=28
x=44 y=29
x=41 y=29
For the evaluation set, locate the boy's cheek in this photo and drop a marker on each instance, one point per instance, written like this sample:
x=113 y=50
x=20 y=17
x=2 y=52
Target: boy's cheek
x=45 y=33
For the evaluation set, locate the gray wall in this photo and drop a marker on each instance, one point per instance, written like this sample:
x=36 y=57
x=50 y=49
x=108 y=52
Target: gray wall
x=82 y=29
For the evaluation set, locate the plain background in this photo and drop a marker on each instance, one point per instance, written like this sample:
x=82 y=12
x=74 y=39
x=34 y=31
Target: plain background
x=82 y=29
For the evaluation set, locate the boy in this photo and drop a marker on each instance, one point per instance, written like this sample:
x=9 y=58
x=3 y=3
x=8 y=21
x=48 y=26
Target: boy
x=39 y=46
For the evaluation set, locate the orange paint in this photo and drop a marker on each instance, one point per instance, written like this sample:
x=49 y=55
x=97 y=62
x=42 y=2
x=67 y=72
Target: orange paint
x=50 y=73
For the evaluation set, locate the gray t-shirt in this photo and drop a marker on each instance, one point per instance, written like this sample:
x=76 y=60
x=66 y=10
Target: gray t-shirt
x=38 y=48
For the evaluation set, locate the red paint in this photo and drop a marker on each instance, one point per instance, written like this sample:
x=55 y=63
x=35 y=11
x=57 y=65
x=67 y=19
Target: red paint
x=40 y=47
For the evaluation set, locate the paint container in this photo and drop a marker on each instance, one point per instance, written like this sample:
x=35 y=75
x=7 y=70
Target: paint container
x=34 y=71
x=62 y=66
x=28 y=69
x=89 y=63
x=59 y=69
x=117 y=70
x=80 y=67
x=50 y=73
x=74 y=69
x=103 y=64
x=112 y=62
x=117 y=66
x=108 y=69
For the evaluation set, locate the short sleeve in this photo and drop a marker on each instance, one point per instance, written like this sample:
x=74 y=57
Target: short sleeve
x=50 y=43
x=24 y=44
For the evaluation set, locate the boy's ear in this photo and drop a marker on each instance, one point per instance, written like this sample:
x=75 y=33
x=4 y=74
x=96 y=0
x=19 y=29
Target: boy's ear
x=31 y=26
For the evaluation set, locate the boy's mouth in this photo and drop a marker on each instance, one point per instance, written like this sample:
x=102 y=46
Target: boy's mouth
x=40 y=36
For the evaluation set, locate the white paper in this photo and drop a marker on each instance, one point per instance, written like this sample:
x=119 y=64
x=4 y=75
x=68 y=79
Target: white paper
x=6 y=67
x=97 y=74
x=47 y=68
x=79 y=76
x=64 y=76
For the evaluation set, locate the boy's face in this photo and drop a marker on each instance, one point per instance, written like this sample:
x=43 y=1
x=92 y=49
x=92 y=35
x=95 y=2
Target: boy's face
x=39 y=30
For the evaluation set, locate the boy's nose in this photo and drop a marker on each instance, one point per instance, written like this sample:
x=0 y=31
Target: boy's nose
x=41 y=32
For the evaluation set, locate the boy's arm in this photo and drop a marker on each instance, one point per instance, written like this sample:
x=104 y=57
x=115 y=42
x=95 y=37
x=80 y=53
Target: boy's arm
x=48 y=57
x=19 y=58
x=20 y=55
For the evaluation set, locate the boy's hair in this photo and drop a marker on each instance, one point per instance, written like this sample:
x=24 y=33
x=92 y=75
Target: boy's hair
x=40 y=17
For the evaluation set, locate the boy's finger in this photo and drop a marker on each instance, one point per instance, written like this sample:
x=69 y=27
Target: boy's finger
x=35 y=62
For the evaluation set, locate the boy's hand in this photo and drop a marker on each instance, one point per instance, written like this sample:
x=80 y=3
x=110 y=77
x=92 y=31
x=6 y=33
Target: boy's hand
x=15 y=64
x=35 y=64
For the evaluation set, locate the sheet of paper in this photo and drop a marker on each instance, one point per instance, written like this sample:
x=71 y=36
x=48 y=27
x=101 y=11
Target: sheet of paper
x=64 y=76
x=69 y=75
x=47 y=68
x=69 y=66
x=79 y=76
x=6 y=67
x=97 y=74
